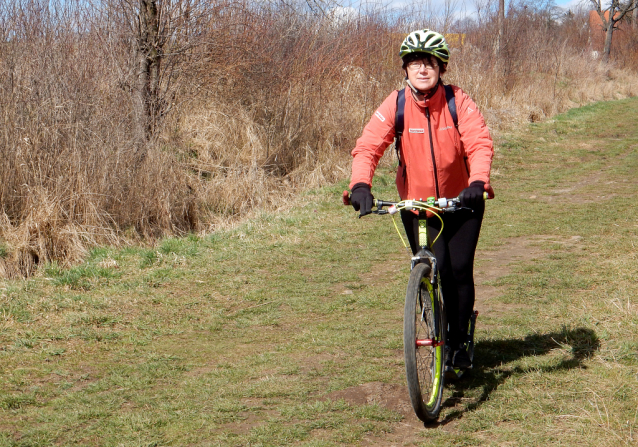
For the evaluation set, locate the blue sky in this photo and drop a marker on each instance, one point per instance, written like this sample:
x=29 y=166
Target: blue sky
x=571 y=3
x=461 y=5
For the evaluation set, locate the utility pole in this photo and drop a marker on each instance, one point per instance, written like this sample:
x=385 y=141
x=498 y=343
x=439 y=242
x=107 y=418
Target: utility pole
x=501 y=26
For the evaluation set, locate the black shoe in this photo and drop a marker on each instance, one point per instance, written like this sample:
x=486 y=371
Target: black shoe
x=448 y=362
x=449 y=372
x=461 y=359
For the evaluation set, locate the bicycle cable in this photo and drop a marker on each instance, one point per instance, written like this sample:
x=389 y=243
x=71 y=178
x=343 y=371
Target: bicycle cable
x=421 y=208
x=399 y=232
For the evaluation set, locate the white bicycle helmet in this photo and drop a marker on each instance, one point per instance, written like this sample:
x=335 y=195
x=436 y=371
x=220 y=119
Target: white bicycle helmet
x=426 y=41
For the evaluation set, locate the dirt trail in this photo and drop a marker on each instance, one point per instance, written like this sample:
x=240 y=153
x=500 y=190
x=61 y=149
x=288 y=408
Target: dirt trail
x=492 y=265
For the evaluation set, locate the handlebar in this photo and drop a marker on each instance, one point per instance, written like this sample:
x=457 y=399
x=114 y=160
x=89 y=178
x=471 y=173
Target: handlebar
x=430 y=204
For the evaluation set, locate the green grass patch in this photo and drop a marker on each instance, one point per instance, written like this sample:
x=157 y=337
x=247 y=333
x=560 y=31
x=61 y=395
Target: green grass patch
x=287 y=330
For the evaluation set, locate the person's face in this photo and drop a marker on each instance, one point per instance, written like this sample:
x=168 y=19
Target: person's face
x=423 y=73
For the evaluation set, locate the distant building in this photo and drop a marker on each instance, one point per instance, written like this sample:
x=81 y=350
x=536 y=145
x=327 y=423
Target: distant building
x=455 y=40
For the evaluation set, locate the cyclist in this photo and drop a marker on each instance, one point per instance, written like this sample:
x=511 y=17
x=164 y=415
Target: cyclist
x=436 y=158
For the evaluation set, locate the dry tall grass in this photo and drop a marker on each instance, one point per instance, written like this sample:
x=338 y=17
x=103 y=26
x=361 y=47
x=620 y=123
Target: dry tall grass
x=261 y=101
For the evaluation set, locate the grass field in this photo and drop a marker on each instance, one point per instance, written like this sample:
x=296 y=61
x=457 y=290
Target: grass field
x=287 y=330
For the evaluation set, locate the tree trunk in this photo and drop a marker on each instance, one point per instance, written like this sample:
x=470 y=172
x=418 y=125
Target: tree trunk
x=148 y=61
x=608 y=35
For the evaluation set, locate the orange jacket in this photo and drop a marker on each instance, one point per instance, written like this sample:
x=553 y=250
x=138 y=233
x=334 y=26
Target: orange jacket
x=429 y=141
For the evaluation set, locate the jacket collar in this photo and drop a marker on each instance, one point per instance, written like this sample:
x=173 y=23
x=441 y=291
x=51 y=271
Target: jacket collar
x=432 y=99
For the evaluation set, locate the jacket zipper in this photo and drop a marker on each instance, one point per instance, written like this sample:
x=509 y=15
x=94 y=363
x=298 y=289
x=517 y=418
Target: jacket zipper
x=436 y=175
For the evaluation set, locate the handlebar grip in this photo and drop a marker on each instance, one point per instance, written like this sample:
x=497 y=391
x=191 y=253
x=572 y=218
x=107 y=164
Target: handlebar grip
x=345 y=197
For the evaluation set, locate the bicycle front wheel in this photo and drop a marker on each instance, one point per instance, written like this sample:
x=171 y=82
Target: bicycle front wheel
x=424 y=343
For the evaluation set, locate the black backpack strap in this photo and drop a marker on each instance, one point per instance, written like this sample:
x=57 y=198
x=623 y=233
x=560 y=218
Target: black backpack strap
x=398 y=121
x=451 y=105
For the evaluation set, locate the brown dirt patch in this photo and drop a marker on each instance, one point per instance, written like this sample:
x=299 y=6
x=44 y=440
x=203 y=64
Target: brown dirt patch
x=493 y=264
x=392 y=397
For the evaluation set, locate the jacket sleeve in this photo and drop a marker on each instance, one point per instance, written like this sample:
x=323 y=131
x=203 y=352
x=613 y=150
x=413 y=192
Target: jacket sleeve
x=475 y=138
x=375 y=139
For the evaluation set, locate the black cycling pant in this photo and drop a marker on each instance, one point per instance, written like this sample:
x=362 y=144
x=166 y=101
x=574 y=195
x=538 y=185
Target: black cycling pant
x=454 y=251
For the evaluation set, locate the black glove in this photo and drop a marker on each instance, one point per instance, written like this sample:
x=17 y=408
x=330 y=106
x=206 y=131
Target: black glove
x=472 y=196
x=361 y=198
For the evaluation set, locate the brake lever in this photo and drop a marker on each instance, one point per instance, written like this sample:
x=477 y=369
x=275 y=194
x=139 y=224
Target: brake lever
x=364 y=215
x=459 y=208
x=377 y=211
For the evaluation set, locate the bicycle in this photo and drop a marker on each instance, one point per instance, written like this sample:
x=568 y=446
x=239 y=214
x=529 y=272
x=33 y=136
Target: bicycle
x=424 y=322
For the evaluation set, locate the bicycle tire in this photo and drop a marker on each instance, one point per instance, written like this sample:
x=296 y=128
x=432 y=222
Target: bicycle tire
x=424 y=332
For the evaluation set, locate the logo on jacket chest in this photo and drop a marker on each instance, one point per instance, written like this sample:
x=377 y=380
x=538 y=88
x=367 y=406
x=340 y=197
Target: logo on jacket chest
x=411 y=130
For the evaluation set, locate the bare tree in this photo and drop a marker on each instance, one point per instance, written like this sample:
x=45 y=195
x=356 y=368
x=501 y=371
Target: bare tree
x=610 y=16
x=450 y=8
x=161 y=34
x=484 y=11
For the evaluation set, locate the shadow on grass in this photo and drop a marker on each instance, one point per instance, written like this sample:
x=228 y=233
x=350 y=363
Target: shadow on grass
x=492 y=356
